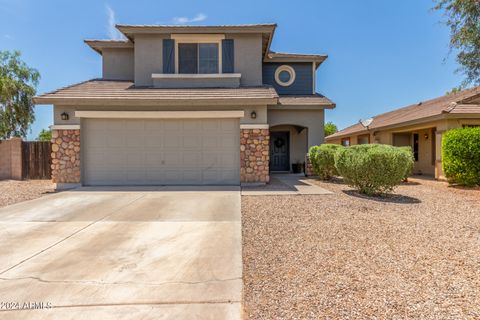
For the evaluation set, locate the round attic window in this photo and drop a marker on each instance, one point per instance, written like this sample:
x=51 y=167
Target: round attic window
x=285 y=75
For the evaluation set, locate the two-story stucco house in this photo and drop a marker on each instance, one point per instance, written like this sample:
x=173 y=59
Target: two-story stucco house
x=187 y=105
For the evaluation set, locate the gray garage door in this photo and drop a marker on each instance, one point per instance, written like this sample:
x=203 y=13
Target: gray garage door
x=161 y=152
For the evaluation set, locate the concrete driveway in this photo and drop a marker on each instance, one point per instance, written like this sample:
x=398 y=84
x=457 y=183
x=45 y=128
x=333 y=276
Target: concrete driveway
x=147 y=253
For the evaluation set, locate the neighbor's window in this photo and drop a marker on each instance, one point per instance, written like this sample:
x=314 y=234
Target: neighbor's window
x=346 y=142
x=364 y=139
x=198 y=58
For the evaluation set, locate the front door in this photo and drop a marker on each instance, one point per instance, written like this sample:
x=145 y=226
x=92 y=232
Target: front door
x=279 y=151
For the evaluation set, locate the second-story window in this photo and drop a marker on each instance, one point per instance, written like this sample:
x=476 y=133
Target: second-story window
x=198 y=58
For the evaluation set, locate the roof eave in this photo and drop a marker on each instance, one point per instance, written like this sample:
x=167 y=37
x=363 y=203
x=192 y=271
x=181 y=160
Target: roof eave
x=148 y=102
x=330 y=106
x=99 y=45
x=159 y=29
x=340 y=136
x=323 y=105
x=269 y=43
x=392 y=126
x=317 y=59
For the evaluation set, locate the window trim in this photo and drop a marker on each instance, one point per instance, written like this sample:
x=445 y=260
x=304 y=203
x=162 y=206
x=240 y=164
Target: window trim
x=195 y=38
x=288 y=69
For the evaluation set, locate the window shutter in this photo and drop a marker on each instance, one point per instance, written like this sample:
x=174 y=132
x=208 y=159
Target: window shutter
x=168 y=56
x=227 y=56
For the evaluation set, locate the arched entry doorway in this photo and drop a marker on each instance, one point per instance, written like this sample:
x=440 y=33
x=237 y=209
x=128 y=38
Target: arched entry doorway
x=288 y=146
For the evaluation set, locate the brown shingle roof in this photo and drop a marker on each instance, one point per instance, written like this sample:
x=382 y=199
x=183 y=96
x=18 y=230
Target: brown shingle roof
x=99 y=45
x=124 y=92
x=313 y=100
x=295 y=57
x=466 y=108
x=259 y=27
x=448 y=104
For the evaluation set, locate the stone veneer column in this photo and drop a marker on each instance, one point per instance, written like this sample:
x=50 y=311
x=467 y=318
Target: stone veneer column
x=66 y=156
x=254 y=155
x=308 y=167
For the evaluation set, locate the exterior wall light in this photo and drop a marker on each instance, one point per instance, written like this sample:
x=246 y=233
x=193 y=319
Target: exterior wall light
x=253 y=115
x=64 y=116
x=426 y=136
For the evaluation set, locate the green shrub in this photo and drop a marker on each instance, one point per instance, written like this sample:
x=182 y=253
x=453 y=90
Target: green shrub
x=409 y=171
x=312 y=156
x=373 y=168
x=461 y=156
x=323 y=160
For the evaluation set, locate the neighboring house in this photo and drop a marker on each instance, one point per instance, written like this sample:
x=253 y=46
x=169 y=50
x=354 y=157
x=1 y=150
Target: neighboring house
x=187 y=105
x=420 y=126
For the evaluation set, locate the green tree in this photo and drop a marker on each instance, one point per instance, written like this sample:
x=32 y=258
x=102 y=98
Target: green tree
x=463 y=18
x=454 y=90
x=18 y=84
x=330 y=128
x=45 y=135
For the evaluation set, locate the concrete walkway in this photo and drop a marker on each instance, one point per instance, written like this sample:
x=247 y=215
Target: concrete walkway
x=285 y=184
x=123 y=253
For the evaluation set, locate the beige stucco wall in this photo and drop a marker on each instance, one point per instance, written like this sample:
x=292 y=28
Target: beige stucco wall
x=260 y=110
x=248 y=58
x=424 y=164
x=298 y=142
x=189 y=82
x=117 y=64
x=148 y=58
x=311 y=119
x=278 y=120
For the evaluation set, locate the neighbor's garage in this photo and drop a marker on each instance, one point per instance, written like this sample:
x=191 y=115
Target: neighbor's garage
x=160 y=151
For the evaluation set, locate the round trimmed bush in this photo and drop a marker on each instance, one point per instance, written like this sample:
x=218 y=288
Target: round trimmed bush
x=323 y=160
x=461 y=156
x=409 y=171
x=373 y=168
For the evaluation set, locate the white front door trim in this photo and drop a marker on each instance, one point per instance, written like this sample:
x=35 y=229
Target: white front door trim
x=160 y=114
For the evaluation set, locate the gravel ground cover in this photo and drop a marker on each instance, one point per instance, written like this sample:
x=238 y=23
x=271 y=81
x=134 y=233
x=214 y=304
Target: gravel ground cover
x=12 y=191
x=414 y=255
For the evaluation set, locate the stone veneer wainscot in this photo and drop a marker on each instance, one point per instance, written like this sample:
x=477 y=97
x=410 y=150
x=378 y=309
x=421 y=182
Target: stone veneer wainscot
x=308 y=167
x=254 y=155
x=65 y=156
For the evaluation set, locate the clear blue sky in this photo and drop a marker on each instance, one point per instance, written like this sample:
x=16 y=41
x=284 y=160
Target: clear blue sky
x=382 y=54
